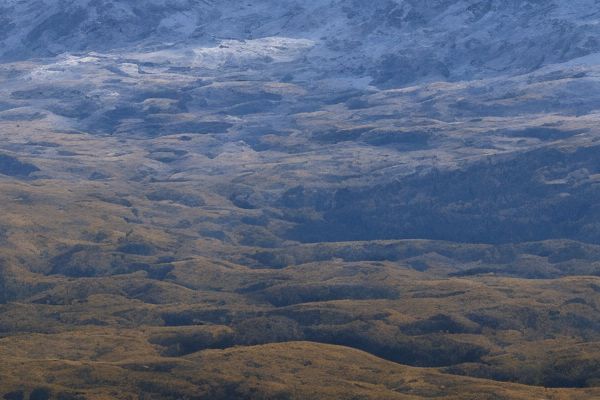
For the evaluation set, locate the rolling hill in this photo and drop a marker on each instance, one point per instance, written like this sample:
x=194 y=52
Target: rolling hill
x=299 y=199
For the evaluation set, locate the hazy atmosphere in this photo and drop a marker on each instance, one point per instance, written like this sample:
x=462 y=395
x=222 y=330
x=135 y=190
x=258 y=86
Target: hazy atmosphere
x=299 y=199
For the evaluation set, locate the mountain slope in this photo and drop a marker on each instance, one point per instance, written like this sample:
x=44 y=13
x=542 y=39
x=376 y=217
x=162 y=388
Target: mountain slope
x=192 y=190
x=393 y=42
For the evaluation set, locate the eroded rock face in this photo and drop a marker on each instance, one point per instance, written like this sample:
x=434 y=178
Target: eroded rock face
x=394 y=42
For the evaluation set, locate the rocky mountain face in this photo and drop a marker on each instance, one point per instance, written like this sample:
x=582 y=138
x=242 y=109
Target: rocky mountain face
x=250 y=183
x=394 y=42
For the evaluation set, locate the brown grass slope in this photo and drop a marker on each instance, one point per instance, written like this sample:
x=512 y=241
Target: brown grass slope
x=121 y=365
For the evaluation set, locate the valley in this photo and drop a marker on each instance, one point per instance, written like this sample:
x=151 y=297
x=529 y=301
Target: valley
x=299 y=200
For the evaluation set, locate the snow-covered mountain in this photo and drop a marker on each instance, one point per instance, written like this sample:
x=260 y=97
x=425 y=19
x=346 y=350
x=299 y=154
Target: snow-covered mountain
x=395 y=42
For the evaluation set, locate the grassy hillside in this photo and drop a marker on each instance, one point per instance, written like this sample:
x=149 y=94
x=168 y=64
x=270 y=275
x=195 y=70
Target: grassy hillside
x=283 y=218
x=107 y=368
